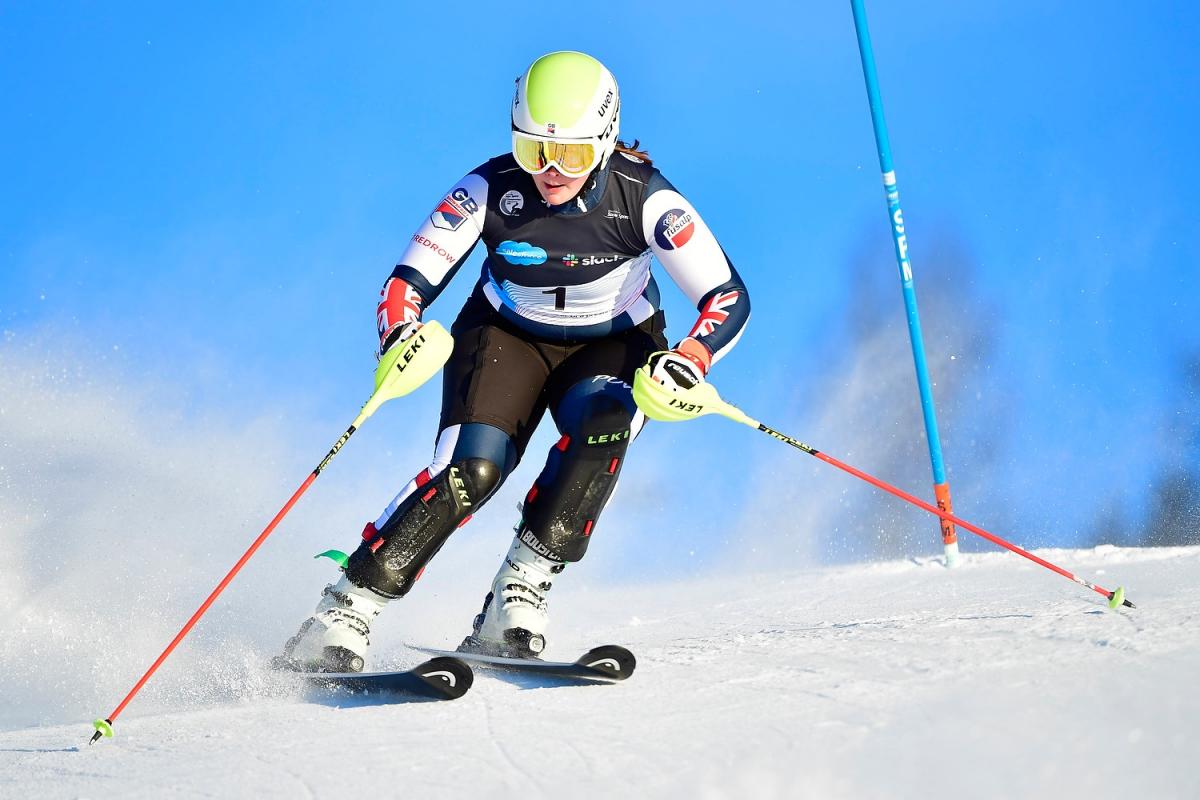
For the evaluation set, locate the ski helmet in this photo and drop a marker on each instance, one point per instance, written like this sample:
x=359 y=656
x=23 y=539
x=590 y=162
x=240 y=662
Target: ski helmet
x=566 y=97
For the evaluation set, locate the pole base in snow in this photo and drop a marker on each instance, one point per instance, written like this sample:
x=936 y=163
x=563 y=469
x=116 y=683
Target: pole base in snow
x=103 y=728
x=951 y=552
x=1117 y=599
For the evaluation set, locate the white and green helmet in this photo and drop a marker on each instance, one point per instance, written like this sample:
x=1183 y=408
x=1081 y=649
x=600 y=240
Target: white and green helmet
x=568 y=96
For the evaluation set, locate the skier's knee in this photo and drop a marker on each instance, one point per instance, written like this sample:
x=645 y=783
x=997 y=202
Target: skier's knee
x=390 y=559
x=481 y=440
x=597 y=406
x=474 y=480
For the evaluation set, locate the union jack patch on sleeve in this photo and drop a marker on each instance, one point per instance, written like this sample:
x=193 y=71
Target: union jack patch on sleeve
x=714 y=313
x=399 y=304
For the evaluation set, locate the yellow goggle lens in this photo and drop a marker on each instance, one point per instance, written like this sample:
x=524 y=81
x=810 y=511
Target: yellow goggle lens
x=529 y=154
x=571 y=158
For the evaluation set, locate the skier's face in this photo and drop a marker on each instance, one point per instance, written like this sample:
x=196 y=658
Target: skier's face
x=557 y=188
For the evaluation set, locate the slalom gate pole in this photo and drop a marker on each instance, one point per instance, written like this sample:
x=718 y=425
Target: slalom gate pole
x=401 y=370
x=941 y=487
x=665 y=405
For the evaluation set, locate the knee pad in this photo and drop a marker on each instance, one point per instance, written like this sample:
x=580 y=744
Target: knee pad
x=390 y=559
x=581 y=471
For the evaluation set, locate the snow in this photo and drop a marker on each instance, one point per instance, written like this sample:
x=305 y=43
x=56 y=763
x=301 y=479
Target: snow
x=898 y=679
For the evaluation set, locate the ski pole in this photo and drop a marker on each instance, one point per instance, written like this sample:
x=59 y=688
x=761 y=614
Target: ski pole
x=401 y=370
x=664 y=405
x=941 y=487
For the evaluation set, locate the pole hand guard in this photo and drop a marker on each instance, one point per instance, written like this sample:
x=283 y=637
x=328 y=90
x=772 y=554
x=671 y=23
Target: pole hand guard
x=659 y=402
x=409 y=364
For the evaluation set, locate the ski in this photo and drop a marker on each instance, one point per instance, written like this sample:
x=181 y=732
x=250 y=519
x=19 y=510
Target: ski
x=607 y=663
x=443 y=678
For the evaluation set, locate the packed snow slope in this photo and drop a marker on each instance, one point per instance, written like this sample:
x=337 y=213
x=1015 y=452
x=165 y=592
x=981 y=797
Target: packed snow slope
x=901 y=679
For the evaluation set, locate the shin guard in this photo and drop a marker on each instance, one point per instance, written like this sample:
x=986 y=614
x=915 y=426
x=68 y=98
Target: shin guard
x=390 y=560
x=581 y=471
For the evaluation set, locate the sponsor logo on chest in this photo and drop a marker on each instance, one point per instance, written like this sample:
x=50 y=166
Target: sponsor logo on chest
x=522 y=253
x=572 y=260
x=511 y=203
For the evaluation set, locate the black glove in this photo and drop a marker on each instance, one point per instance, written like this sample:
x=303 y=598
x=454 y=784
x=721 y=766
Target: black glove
x=675 y=370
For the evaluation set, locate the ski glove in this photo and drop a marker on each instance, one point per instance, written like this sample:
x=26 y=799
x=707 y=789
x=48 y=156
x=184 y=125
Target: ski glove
x=397 y=335
x=675 y=370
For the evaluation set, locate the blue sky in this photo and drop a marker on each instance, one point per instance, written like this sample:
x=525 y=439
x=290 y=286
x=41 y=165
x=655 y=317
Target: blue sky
x=209 y=198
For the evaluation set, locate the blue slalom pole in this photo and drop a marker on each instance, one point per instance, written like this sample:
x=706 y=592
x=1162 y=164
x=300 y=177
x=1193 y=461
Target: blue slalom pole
x=941 y=488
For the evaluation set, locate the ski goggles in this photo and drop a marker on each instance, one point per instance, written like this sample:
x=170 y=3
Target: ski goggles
x=574 y=159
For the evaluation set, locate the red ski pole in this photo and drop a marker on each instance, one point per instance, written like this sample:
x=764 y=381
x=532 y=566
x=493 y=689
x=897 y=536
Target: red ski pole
x=665 y=405
x=400 y=371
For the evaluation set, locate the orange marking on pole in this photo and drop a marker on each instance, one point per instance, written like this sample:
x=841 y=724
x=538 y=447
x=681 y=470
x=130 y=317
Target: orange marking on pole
x=941 y=492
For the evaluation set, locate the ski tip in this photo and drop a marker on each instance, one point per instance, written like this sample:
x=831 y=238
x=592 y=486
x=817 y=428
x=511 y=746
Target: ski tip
x=450 y=677
x=610 y=660
x=1117 y=598
x=103 y=728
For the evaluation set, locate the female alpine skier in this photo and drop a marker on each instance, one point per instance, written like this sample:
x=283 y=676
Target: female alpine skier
x=564 y=313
